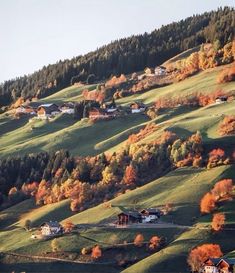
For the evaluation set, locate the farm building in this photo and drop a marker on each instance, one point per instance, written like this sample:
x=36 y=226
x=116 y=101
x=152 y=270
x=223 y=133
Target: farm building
x=28 y=108
x=67 y=108
x=221 y=99
x=47 y=110
x=218 y=265
x=98 y=113
x=150 y=215
x=160 y=70
x=25 y=110
x=33 y=105
x=109 y=107
x=51 y=228
x=129 y=217
x=137 y=107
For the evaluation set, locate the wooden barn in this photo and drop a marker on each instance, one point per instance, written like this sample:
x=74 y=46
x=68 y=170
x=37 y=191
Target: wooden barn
x=129 y=217
x=47 y=110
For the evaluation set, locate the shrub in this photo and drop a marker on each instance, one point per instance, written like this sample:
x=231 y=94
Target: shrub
x=227 y=126
x=227 y=75
x=208 y=203
x=139 y=239
x=96 y=252
x=218 y=221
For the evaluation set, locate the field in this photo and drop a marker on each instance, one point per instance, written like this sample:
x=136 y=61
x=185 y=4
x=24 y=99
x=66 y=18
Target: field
x=182 y=187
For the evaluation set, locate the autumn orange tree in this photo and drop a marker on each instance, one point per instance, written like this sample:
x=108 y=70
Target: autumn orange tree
x=199 y=254
x=227 y=75
x=130 y=175
x=96 y=252
x=68 y=226
x=208 y=203
x=227 y=126
x=139 y=239
x=223 y=188
x=216 y=157
x=154 y=242
x=218 y=221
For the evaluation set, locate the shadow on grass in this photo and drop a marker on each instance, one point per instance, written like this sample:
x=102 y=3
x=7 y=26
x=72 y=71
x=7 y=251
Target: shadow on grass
x=57 y=267
x=10 y=124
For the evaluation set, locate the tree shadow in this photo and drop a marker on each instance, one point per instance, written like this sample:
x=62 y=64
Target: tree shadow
x=59 y=267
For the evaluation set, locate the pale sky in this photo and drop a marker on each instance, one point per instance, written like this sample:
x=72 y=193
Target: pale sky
x=34 y=33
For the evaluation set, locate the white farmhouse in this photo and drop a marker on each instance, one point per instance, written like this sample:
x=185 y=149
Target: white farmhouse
x=150 y=215
x=51 y=228
x=160 y=70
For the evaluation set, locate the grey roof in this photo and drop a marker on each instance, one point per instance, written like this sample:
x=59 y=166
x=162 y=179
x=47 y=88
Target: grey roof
x=151 y=210
x=33 y=104
x=214 y=260
x=51 y=224
x=67 y=104
x=49 y=107
x=139 y=103
x=230 y=261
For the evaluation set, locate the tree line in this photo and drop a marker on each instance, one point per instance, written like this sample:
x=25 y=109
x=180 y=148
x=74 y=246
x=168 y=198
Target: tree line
x=124 y=55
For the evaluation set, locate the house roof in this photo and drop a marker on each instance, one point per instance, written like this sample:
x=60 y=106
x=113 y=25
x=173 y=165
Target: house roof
x=214 y=261
x=140 y=104
x=95 y=109
x=48 y=105
x=221 y=98
x=33 y=104
x=110 y=104
x=229 y=261
x=134 y=214
x=151 y=211
x=160 y=67
x=68 y=104
x=51 y=224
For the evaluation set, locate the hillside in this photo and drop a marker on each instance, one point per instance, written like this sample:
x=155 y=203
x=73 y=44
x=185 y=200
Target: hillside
x=64 y=132
x=126 y=55
x=99 y=185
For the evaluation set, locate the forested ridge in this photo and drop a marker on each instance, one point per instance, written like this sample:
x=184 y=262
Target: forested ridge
x=125 y=55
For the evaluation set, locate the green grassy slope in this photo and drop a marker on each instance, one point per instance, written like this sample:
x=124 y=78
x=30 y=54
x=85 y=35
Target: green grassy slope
x=65 y=132
x=18 y=137
x=181 y=56
x=183 y=187
x=72 y=93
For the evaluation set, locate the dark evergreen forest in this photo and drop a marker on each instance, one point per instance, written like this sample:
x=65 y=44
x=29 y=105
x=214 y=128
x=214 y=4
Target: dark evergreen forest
x=125 y=55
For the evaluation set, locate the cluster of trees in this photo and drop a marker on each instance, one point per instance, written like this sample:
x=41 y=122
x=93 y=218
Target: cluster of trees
x=217 y=157
x=196 y=99
x=116 y=81
x=227 y=126
x=187 y=152
x=200 y=254
x=209 y=56
x=125 y=55
x=147 y=130
x=95 y=95
x=88 y=180
x=222 y=190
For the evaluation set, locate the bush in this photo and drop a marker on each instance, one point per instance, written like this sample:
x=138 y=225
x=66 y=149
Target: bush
x=227 y=75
